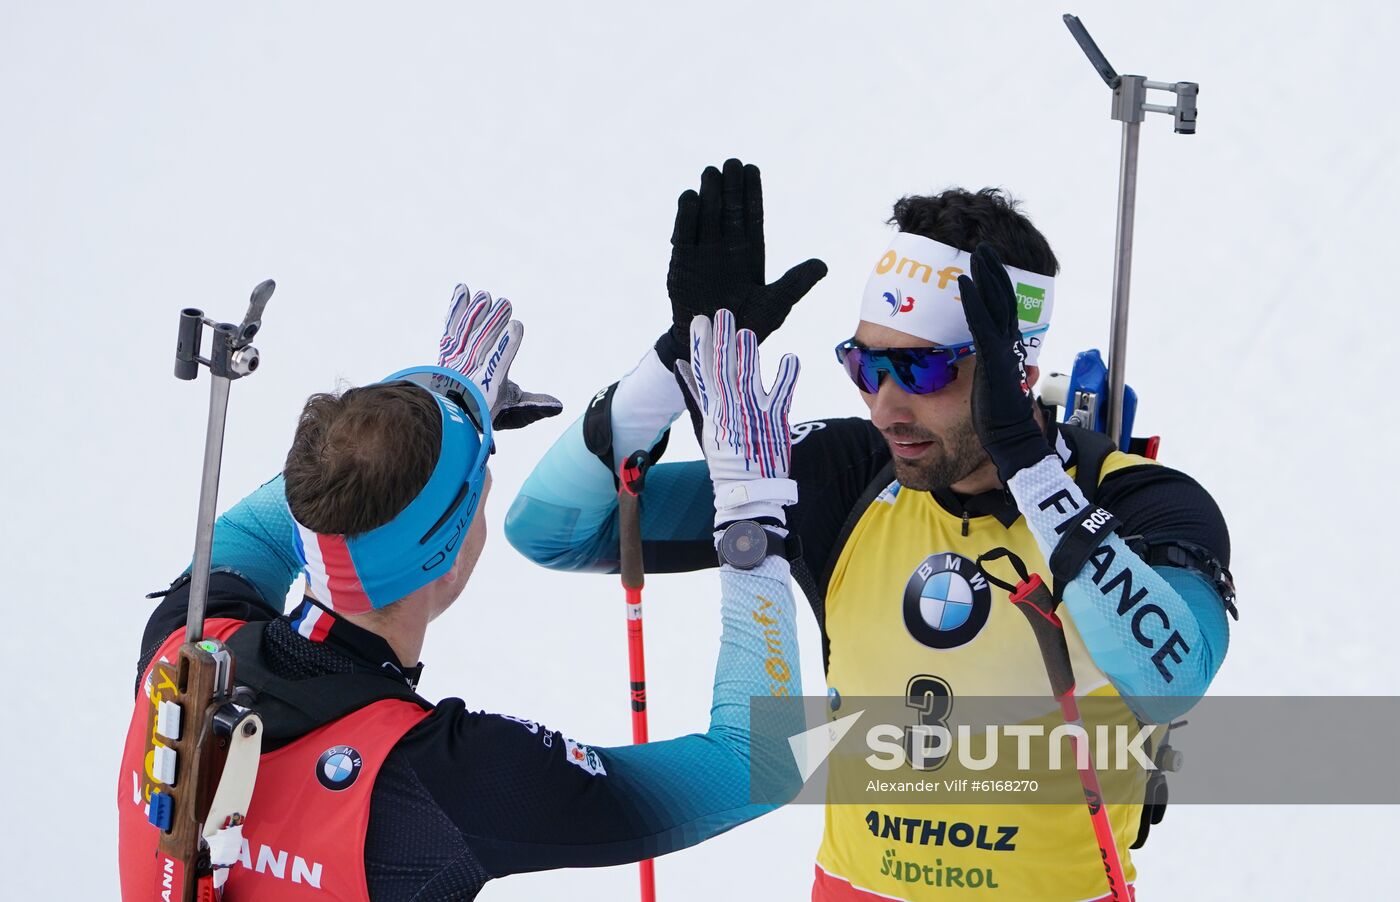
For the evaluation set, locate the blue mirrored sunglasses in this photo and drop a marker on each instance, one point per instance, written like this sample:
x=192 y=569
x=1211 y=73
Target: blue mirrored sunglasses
x=919 y=371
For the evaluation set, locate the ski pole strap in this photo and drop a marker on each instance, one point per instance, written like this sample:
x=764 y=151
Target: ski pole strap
x=1080 y=537
x=1033 y=599
x=1016 y=563
x=598 y=431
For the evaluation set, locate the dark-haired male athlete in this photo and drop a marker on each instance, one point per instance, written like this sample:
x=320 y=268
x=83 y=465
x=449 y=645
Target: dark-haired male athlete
x=893 y=512
x=365 y=789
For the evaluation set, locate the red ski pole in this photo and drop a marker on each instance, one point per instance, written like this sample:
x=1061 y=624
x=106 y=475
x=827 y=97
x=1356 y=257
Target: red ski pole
x=631 y=476
x=1034 y=600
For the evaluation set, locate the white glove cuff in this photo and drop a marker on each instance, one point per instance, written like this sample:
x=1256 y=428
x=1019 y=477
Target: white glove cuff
x=746 y=499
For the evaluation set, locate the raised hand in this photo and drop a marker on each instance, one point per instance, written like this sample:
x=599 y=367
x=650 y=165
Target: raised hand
x=480 y=341
x=717 y=258
x=1002 y=408
x=744 y=426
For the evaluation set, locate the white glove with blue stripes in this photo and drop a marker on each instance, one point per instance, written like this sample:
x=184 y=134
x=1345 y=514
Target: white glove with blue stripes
x=480 y=341
x=744 y=427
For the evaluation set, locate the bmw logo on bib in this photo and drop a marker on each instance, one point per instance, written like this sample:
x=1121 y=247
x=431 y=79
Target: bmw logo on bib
x=338 y=767
x=946 y=601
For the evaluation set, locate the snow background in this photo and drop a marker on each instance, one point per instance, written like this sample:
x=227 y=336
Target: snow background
x=369 y=156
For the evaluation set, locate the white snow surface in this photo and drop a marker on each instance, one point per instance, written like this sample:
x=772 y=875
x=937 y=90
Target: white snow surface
x=369 y=156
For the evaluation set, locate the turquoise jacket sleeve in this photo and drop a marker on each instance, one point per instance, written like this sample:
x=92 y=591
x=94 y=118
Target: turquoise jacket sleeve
x=254 y=540
x=1158 y=634
x=527 y=798
x=701 y=785
x=565 y=516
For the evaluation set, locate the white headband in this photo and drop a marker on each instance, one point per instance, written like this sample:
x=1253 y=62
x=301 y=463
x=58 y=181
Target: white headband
x=914 y=289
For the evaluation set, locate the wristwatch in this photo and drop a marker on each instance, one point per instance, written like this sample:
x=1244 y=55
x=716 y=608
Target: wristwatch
x=744 y=544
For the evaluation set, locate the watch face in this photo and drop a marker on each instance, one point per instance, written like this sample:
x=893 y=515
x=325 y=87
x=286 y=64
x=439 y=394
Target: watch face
x=744 y=545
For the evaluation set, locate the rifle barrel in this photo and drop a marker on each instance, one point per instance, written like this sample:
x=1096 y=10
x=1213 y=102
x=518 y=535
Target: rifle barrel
x=208 y=501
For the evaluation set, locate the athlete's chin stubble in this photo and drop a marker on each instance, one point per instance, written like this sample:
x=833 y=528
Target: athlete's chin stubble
x=951 y=459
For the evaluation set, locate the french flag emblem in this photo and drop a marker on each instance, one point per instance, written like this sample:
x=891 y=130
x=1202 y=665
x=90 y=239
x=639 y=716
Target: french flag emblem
x=313 y=623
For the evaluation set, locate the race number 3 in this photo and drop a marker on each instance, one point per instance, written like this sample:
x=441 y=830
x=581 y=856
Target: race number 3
x=932 y=697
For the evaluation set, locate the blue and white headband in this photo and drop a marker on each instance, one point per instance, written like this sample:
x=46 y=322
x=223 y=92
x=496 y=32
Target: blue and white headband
x=914 y=288
x=354 y=574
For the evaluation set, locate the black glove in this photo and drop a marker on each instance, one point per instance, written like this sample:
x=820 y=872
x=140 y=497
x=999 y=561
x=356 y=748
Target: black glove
x=516 y=409
x=1002 y=407
x=717 y=260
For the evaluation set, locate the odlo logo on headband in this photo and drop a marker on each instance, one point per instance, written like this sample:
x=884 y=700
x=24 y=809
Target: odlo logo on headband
x=917 y=270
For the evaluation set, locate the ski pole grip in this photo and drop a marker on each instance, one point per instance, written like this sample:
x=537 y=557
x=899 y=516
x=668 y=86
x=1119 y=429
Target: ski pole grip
x=187 y=344
x=631 y=477
x=629 y=514
x=1034 y=600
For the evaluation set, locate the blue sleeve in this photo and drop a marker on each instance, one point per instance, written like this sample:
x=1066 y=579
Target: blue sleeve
x=565 y=516
x=254 y=540
x=525 y=798
x=1158 y=635
x=1208 y=609
x=705 y=784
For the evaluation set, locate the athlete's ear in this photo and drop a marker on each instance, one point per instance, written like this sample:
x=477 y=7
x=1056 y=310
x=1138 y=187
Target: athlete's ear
x=452 y=583
x=1032 y=374
x=455 y=570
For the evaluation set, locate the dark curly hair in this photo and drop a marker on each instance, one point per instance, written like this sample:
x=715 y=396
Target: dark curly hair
x=964 y=219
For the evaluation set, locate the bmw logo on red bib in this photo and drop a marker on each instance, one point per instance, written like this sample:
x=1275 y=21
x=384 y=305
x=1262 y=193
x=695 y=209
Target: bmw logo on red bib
x=946 y=601
x=338 y=767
